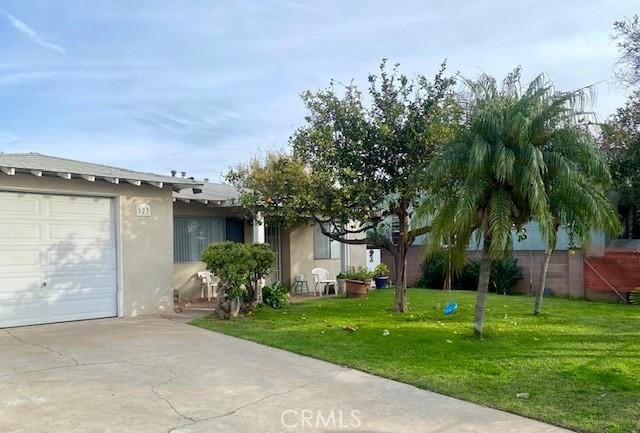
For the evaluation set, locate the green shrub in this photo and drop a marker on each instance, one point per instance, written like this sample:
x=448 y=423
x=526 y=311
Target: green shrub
x=231 y=262
x=467 y=278
x=240 y=267
x=505 y=274
x=275 y=295
x=262 y=261
x=433 y=272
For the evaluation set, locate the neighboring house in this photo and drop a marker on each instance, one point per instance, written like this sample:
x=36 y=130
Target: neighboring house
x=607 y=269
x=212 y=214
x=83 y=241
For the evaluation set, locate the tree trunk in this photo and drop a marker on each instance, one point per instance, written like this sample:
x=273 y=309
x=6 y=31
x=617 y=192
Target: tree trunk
x=448 y=280
x=257 y=289
x=543 y=281
x=483 y=287
x=400 y=283
x=400 y=259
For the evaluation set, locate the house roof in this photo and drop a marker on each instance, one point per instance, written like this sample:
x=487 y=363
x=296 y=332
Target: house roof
x=218 y=194
x=45 y=165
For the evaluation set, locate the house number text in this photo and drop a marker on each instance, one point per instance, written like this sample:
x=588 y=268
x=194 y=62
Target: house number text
x=143 y=210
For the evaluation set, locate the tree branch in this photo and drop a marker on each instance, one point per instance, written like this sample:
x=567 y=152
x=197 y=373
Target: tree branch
x=413 y=234
x=381 y=242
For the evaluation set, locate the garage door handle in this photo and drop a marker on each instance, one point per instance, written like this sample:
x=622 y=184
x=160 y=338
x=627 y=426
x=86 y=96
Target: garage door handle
x=44 y=284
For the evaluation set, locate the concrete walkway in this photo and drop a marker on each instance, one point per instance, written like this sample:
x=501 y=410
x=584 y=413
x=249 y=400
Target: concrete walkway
x=157 y=375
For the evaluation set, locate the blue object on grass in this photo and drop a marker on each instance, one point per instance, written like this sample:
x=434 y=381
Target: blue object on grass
x=450 y=308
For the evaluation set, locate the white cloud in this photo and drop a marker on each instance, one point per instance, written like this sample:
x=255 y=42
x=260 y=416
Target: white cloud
x=156 y=85
x=31 y=34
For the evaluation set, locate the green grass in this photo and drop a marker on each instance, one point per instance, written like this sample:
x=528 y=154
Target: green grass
x=579 y=361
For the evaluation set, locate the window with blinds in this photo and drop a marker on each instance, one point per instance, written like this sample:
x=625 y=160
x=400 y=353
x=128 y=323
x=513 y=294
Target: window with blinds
x=191 y=235
x=323 y=246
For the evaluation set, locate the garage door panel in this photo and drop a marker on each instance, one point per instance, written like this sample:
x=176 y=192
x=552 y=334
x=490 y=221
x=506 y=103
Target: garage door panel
x=72 y=207
x=69 y=259
x=77 y=308
x=61 y=263
x=25 y=259
x=22 y=312
x=20 y=286
x=77 y=283
x=22 y=232
x=79 y=232
x=18 y=204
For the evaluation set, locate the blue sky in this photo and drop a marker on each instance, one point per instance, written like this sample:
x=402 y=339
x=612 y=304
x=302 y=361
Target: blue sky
x=199 y=85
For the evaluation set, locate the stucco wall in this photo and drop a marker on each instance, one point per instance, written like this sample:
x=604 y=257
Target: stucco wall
x=358 y=255
x=302 y=260
x=147 y=242
x=301 y=256
x=186 y=281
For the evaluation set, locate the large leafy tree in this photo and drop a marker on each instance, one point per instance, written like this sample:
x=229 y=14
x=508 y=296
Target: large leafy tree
x=627 y=35
x=499 y=171
x=358 y=163
x=621 y=134
x=621 y=143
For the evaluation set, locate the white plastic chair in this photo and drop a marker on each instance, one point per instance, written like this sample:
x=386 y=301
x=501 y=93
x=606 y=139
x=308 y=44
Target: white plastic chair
x=322 y=280
x=207 y=280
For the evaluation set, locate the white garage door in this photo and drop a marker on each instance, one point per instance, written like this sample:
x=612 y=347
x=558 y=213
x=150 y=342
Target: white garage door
x=57 y=258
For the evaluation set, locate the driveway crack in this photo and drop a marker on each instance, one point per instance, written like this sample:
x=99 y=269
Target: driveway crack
x=90 y=364
x=255 y=402
x=154 y=390
x=42 y=346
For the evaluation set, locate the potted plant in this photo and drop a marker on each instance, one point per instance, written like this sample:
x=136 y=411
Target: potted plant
x=381 y=276
x=342 y=283
x=358 y=281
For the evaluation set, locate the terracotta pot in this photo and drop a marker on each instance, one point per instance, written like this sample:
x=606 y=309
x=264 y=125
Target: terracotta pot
x=357 y=288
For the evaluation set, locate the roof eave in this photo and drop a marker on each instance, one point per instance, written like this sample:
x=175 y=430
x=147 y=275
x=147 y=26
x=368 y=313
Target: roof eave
x=159 y=182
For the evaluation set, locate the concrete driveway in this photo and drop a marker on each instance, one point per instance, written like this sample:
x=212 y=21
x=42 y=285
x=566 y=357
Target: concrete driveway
x=156 y=375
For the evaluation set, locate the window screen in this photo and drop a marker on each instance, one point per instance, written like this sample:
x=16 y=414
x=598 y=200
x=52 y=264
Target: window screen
x=191 y=235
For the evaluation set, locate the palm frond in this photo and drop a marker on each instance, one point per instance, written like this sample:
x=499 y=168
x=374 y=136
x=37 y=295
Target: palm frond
x=523 y=155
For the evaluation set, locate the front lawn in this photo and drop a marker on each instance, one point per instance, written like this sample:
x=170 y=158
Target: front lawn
x=579 y=361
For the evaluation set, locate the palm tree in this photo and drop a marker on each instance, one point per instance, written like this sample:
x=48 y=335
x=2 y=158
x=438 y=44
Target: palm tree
x=502 y=166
